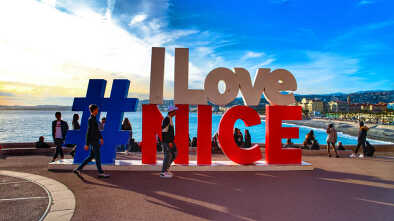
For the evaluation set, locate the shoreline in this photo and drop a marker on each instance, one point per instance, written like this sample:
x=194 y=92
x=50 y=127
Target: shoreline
x=349 y=128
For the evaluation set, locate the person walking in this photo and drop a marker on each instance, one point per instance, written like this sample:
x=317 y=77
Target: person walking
x=59 y=131
x=93 y=141
x=362 y=139
x=331 y=139
x=168 y=136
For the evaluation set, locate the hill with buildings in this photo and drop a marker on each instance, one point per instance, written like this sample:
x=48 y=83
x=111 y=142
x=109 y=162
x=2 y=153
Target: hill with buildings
x=362 y=97
x=370 y=97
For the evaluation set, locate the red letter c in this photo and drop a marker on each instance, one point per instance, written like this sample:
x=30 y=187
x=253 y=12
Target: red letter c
x=226 y=139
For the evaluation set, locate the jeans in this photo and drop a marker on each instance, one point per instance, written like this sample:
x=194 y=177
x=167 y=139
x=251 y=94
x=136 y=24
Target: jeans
x=361 y=142
x=59 y=150
x=169 y=156
x=94 y=153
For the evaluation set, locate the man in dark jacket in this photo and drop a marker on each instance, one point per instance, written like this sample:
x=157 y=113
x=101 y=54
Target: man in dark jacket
x=93 y=141
x=59 y=131
x=168 y=136
x=362 y=139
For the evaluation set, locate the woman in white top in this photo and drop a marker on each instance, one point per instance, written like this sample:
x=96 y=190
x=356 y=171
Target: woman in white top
x=331 y=139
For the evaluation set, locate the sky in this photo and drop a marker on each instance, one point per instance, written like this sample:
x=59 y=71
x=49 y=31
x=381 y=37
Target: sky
x=49 y=49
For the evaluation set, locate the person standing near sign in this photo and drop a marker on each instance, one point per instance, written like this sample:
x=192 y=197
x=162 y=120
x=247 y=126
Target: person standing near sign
x=94 y=140
x=331 y=139
x=59 y=131
x=168 y=136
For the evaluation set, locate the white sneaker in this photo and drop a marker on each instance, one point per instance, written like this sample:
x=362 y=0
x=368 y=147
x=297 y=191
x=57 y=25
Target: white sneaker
x=165 y=175
x=103 y=175
x=361 y=156
x=353 y=155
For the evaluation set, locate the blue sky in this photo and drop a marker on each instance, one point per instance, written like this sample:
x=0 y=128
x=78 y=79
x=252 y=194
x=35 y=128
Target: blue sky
x=51 y=48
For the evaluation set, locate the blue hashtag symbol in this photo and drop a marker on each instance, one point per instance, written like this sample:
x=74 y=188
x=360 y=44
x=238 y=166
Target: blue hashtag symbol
x=115 y=106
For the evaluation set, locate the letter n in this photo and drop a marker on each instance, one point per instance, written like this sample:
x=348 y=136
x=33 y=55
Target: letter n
x=151 y=128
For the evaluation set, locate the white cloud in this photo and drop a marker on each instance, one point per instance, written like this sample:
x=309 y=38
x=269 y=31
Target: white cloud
x=251 y=54
x=48 y=47
x=51 y=3
x=365 y=2
x=137 y=19
x=49 y=41
x=110 y=8
x=326 y=73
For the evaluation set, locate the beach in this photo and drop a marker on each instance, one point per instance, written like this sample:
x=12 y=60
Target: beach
x=381 y=132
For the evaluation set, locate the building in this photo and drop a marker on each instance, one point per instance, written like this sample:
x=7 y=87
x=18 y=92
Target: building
x=355 y=108
x=390 y=106
x=381 y=107
x=312 y=106
x=338 y=106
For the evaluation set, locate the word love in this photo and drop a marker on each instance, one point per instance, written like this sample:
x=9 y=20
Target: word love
x=267 y=82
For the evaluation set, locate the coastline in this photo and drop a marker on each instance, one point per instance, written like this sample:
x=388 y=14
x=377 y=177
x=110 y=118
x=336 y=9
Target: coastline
x=349 y=128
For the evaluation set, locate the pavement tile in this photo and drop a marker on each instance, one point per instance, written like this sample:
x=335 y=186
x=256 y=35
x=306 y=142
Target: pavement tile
x=64 y=215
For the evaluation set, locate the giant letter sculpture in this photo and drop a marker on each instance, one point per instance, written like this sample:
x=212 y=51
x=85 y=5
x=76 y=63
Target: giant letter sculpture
x=226 y=139
x=151 y=129
x=274 y=154
x=115 y=106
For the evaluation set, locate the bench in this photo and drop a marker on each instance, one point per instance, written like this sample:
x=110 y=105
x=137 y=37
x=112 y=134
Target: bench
x=21 y=149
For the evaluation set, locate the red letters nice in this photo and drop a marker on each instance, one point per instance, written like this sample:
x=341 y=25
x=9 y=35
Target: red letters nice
x=267 y=82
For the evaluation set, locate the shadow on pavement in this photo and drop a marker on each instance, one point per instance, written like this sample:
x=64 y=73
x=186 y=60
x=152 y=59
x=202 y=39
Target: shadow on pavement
x=320 y=194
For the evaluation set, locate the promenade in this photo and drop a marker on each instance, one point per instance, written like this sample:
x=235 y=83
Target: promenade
x=381 y=132
x=337 y=189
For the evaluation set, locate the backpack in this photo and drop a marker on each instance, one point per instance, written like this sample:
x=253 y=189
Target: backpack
x=315 y=145
x=370 y=150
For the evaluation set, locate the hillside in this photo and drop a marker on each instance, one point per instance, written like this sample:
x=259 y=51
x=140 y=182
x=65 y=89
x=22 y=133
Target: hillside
x=372 y=97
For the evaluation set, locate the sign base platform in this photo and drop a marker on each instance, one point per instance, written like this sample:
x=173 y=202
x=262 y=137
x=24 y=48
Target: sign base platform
x=136 y=165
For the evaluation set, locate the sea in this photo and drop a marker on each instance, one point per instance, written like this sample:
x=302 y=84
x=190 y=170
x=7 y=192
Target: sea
x=18 y=126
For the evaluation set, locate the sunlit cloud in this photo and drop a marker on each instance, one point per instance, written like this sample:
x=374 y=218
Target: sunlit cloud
x=68 y=49
x=50 y=49
x=251 y=54
x=137 y=19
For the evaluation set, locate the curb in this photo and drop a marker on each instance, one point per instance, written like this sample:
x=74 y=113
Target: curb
x=61 y=205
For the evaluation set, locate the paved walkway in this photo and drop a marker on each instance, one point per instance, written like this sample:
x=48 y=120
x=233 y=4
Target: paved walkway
x=337 y=189
x=25 y=196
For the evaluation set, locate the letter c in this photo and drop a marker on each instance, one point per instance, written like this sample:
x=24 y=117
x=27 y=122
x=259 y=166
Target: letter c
x=226 y=138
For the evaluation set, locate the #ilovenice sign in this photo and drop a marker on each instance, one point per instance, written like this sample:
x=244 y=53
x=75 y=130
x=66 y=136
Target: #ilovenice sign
x=267 y=82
